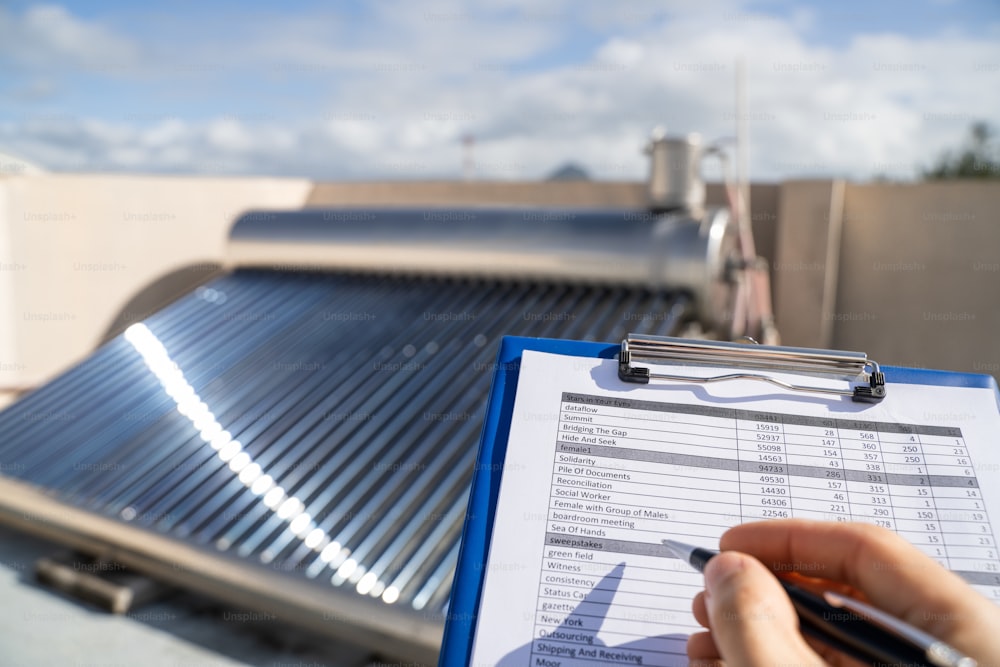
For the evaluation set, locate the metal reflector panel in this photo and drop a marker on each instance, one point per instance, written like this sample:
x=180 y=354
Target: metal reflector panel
x=314 y=427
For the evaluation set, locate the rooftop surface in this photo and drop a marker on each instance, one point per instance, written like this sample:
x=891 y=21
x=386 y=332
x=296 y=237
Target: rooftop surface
x=42 y=627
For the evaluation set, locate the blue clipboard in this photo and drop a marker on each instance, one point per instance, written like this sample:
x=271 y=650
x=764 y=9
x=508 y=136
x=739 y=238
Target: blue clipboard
x=460 y=622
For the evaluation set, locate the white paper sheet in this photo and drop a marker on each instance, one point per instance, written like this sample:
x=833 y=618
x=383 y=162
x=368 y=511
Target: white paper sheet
x=597 y=473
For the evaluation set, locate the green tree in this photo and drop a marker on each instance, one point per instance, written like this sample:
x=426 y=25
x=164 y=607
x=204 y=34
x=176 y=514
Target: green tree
x=978 y=158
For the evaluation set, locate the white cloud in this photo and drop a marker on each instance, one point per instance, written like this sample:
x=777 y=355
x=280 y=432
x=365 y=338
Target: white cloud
x=229 y=136
x=622 y=52
x=48 y=35
x=392 y=97
x=164 y=134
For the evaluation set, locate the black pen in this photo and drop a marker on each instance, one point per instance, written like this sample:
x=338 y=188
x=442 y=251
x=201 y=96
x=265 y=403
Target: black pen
x=851 y=626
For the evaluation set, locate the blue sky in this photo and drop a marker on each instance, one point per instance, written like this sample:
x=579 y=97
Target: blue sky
x=836 y=23
x=387 y=89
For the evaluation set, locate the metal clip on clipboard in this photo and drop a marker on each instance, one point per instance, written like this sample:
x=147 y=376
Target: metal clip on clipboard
x=866 y=382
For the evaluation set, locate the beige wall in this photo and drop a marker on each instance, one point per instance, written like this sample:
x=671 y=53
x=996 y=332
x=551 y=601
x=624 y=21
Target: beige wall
x=916 y=271
x=457 y=193
x=919 y=280
x=78 y=253
x=74 y=249
x=804 y=275
x=908 y=273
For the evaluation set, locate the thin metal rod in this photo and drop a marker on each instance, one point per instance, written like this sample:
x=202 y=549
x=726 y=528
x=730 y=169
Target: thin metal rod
x=750 y=376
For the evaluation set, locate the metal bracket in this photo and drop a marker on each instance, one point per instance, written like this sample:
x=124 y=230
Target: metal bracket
x=99 y=582
x=866 y=381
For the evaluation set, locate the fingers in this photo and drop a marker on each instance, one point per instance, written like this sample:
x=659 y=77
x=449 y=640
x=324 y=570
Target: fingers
x=750 y=616
x=702 y=651
x=832 y=656
x=700 y=646
x=699 y=610
x=695 y=662
x=864 y=556
x=892 y=573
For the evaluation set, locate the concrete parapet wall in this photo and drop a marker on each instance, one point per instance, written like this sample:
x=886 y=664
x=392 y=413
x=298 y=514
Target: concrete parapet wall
x=75 y=249
x=908 y=273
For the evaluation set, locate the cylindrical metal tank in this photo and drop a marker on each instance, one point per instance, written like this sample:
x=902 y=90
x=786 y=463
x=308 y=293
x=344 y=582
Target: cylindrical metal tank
x=675 y=182
x=611 y=247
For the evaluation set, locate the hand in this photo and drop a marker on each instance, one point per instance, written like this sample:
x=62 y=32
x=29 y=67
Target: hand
x=752 y=622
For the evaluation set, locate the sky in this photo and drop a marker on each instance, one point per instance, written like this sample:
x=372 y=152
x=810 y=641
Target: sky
x=387 y=89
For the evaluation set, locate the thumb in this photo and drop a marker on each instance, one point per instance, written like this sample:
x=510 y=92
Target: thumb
x=752 y=620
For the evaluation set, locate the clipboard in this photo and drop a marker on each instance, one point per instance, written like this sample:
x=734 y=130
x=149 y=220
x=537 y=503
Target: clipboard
x=637 y=357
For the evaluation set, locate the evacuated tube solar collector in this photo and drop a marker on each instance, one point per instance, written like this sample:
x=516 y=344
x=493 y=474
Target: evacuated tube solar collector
x=298 y=435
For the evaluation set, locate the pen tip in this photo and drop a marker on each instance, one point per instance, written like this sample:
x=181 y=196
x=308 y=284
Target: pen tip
x=675 y=548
